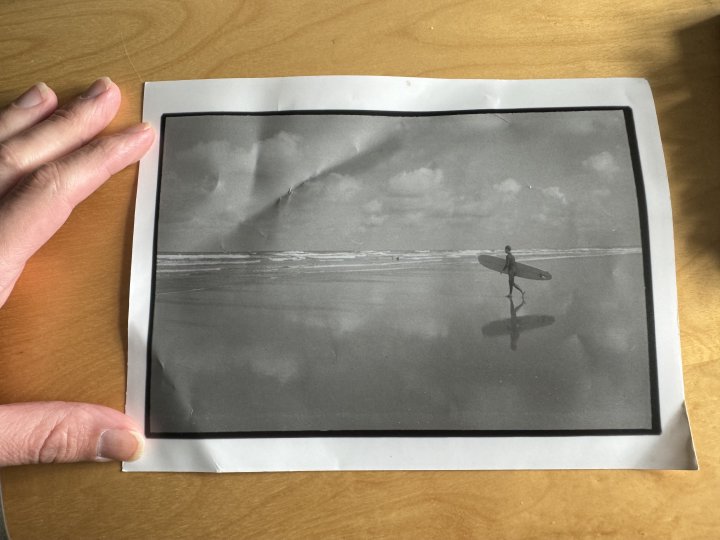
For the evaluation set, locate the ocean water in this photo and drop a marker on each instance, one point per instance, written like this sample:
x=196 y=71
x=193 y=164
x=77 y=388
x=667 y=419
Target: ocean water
x=380 y=340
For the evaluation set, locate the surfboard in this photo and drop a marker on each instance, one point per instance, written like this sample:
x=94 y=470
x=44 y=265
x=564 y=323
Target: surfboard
x=523 y=270
x=523 y=322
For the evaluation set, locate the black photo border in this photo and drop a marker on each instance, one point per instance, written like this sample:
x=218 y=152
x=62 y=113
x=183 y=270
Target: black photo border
x=631 y=133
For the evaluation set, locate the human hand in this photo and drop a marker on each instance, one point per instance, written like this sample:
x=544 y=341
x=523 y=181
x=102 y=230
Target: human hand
x=50 y=161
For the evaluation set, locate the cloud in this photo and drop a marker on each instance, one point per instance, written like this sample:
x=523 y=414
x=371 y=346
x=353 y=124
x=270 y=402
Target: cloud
x=213 y=186
x=422 y=325
x=473 y=209
x=375 y=220
x=413 y=218
x=554 y=192
x=375 y=217
x=580 y=124
x=337 y=322
x=414 y=196
x=604 y=163
x=415 y=183
x=586 y=123
x=440 y=205
x=272 y=361
x=600 y=193
x=373 y=207
x=340 y=188
x=281 y=145
x=509 y=186
x=219 y=156
x=229 y=172
x=550 y=207
x=225 y=157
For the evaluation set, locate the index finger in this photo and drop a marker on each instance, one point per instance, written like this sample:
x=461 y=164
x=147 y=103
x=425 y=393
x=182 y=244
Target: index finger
x=36 y=208
x=67 y=129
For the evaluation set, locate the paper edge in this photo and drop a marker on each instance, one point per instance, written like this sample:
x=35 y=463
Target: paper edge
x=638 y=94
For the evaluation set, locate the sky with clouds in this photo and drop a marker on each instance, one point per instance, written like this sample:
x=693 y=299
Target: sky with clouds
x=325 y=182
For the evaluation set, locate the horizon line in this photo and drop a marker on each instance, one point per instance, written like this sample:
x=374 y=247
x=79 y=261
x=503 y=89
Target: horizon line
x=592 y=248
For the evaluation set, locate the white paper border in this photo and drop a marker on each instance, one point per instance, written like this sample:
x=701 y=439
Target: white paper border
x=672 y=449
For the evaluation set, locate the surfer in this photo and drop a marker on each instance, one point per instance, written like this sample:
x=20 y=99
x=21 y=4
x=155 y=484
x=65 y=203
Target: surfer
x=511 y=268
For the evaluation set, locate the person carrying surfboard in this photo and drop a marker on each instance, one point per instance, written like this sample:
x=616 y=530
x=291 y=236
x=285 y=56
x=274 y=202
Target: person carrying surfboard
x=511 y=268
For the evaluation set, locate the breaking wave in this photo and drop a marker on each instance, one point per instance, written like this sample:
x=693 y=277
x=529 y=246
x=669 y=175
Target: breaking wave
x=273 y=261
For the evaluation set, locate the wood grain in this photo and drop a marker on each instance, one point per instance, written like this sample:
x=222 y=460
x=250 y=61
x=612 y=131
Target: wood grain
x=63 y=334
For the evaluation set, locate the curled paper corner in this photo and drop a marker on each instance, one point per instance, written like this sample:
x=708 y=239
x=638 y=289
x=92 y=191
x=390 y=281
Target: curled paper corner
x=215 y=465
x=693 y=464
x=674 y=448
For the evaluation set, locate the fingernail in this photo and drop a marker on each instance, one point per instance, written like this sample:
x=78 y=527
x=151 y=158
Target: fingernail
x=120 y=445
x=138 y=128
x=97 y=88
x=34 y=96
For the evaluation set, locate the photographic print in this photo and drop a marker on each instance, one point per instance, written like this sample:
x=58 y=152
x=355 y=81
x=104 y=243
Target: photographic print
x=349 y=272
x=382 y=273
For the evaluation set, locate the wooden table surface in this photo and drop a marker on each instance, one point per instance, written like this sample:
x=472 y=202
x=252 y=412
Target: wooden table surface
x=63 y=331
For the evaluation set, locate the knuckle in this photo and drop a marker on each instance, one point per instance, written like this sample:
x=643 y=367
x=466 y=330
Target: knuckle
x=96 y=144
x=47 y=176
x=66 y=439
x=63 y=115
x=49 y=180
x=10 y=161
x=54 y=446
x=103 y=146
x=68 y=121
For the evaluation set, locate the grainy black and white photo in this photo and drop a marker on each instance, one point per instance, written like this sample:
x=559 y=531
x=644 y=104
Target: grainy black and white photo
x=337 y=272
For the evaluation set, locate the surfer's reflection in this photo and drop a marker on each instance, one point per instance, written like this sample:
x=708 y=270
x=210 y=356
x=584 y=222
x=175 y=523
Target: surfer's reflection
x=516 y=324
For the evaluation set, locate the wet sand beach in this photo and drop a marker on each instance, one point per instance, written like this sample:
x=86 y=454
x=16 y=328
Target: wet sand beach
x=386 y=341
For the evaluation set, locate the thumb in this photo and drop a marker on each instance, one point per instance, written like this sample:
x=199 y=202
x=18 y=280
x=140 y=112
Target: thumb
x=61 y=432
